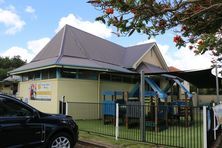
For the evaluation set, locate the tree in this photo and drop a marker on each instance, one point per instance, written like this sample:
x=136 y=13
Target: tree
x=198 y=23
x=7 y=64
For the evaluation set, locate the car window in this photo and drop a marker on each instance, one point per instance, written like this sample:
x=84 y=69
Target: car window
x=10 y=108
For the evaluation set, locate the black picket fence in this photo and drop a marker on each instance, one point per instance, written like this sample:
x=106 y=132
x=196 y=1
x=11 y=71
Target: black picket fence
x=177 y=126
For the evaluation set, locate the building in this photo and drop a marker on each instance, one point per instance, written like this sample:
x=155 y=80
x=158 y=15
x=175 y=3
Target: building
x=9 y=85
x=80 y=66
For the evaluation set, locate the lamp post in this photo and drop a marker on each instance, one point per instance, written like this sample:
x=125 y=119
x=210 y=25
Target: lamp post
x=217 y=84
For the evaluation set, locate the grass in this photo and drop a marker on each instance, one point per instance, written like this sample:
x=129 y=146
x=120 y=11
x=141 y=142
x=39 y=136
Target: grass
x=178 y=136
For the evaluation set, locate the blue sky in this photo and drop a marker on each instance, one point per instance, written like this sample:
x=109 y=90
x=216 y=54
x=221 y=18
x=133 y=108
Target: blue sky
x=26 y=26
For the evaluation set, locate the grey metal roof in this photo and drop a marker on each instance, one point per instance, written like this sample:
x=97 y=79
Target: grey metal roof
x=12 y=78
x=35 y=64
x=149 y=68
x=73 y=47
x=80 y=62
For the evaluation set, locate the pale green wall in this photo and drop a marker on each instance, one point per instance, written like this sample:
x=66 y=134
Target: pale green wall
x=74 y=90
x=44 y=106
x=78 y=90
x=86 y=92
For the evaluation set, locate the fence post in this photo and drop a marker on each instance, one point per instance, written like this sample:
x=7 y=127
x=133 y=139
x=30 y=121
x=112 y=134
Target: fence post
x=204 y=126
x=117 y=121
x=215 y=132
x=63 y=100
x=142 y=115
x=67 y=109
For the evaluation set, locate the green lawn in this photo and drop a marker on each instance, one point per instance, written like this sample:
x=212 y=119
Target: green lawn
x=179 y=136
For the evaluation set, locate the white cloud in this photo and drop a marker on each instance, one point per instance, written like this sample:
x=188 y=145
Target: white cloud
x=36 y=45
x=14 y=51
x=95 y=28
x=184 y=58
x=33 y=47
x=11 y=20
x=29 y=9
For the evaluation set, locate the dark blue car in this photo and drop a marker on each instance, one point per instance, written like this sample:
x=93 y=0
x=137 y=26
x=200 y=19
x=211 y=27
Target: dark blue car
x=23 y=126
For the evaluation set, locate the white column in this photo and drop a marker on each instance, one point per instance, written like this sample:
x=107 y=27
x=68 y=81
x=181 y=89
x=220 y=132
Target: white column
x=67 y=108
x=204 y=126
x=117 y=121
x=215 y=132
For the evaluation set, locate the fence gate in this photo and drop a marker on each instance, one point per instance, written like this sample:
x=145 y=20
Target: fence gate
x=62 y=106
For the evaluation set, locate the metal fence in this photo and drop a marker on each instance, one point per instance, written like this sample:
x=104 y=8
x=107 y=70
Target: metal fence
x=164 y=125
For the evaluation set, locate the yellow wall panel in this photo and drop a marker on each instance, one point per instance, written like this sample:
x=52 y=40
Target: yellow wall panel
x=48 y=106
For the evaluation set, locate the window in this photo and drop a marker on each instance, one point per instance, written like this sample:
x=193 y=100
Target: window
x=105 y=77
x=30 y=76
x=27 y=77
x=45 y=74
x=52 y=73
x=10 y=108
x=69 y=73
x=24 y=78
x=49 y=74
x=37 y=75
x=86 y=74
x=116 y=78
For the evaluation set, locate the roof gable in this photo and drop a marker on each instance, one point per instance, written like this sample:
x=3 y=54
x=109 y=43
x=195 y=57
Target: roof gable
x=152 y=56
x=149 y=68
x=134 y=53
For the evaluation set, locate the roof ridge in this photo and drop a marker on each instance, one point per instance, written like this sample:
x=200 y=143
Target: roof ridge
x=140 y=45
x=61 y=46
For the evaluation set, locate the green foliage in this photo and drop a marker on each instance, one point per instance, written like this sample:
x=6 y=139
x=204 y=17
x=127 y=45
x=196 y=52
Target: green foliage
x=7 y=64
x=200 y=20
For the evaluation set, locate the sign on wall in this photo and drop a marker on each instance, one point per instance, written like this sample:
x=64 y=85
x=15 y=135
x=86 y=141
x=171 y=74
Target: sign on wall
x=40 y=91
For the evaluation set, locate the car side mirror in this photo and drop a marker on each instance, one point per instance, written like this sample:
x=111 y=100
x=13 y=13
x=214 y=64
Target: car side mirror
x=34 y=116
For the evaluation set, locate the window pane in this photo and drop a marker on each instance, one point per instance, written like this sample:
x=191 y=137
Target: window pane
x=25 y=77
x=105 y=77
x=37 y=75
x=30 y=76
x=116 y=78
x=45 y=74
x=69 y=73
x=9 y=108
x=85 y=74
x=52 y=73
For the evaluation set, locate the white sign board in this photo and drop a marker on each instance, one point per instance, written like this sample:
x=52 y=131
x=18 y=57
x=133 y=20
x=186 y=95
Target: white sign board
x=40 y=91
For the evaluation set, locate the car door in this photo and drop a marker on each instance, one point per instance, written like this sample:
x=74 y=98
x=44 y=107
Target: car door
x=18 y=124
